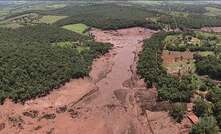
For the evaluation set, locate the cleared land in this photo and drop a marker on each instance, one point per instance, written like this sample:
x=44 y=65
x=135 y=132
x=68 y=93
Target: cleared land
x=78 y=28
x=50 y=19
x=178 y=63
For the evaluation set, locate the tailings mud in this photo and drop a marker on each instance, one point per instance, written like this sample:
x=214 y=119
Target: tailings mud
x=113 y=100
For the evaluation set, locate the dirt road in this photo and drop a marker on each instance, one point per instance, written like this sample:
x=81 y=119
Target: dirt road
x=113 y=100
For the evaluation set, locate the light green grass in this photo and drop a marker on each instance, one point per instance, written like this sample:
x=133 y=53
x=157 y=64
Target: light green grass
x=3 y=13
x=78 y=28
x=212 y=11
x=50 y=19
x=205 y=53
x=10 y=25
x=179 y=14
x=56 y=6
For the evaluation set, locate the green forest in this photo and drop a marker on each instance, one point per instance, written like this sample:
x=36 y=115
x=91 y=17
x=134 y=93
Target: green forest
x=115 y=16
x=31 y=65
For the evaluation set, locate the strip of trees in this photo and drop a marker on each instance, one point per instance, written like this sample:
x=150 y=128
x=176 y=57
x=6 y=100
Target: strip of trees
x=150 y=68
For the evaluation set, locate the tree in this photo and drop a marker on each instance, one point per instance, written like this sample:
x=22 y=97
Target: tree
x=202 y=107
x=206 y=125
x=177 y=112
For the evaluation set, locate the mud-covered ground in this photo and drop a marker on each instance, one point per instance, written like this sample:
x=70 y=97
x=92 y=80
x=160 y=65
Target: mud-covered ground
x=113 y=100
x=212 y=29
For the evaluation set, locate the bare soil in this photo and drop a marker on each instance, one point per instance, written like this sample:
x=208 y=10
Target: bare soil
x=178 y=62
x=113 y=100
x=211 y=29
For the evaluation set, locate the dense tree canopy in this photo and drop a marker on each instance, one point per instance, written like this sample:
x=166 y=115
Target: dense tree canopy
x=32 y=64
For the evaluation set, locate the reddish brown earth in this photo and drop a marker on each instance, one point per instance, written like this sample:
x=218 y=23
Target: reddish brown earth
x=176 y=62
x=212 y=29
x=113 y=100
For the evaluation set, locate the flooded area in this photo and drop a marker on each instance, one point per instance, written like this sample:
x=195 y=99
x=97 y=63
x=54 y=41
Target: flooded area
x=110 y=101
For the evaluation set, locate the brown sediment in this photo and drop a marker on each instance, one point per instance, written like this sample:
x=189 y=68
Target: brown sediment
x=113 y=100
x=211 y=29
x=177 y=63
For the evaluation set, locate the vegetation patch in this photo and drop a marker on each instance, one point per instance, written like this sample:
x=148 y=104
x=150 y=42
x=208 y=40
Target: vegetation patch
x=209 y=65
x=181 y=89
x=198 y=41
x=50 y=19
x=10 y=25
x=178 y=111
x=3 y=13
x=55 y=6
x=207 y=125
x=78 y=28
x=213 y=11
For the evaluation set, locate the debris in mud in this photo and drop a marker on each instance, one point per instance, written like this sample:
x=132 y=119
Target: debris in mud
x=121 y=95
x=2 y=126
x=37 y=128
x=16 y=121
x=50 y=131
x=131 y=129
x=112 y=107
x=32 y=113
x=48 y=116
x=146 y=98
x=61 y=109
x=161 y=106
x=73 y=113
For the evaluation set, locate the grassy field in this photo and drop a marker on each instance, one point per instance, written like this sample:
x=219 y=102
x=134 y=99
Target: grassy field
x=212 y=11
x=50 y=19
x=206 y=53
x=78 y=28
x=3 y=13
x=56 y=6
x=10 y=25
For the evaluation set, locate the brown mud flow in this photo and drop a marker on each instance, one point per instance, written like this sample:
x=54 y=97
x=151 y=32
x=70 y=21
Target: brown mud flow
x=211 y=29
x=113 y=100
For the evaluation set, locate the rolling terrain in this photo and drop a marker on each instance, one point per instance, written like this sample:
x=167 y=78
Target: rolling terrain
x=136 y=67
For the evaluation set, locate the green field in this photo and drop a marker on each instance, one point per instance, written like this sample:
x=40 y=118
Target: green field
x=10 y=25
x=78 y=28
x=50 y=19
x=55 y=6
x=206 y=53
x=212 y=11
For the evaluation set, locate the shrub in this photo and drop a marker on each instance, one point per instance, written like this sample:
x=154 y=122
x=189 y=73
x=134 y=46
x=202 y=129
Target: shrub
x=177 y=112
x=207 y=125
x=202 y=107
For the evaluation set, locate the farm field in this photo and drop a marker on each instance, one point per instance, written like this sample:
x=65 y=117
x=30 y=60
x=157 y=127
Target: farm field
x=110 y=67
x=212 y=11
x=49 y=19
x=78 y=28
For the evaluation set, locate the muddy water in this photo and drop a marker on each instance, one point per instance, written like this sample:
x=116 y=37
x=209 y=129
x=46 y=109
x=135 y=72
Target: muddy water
x=110 y=101
x=127 y=43
x=114 y=107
